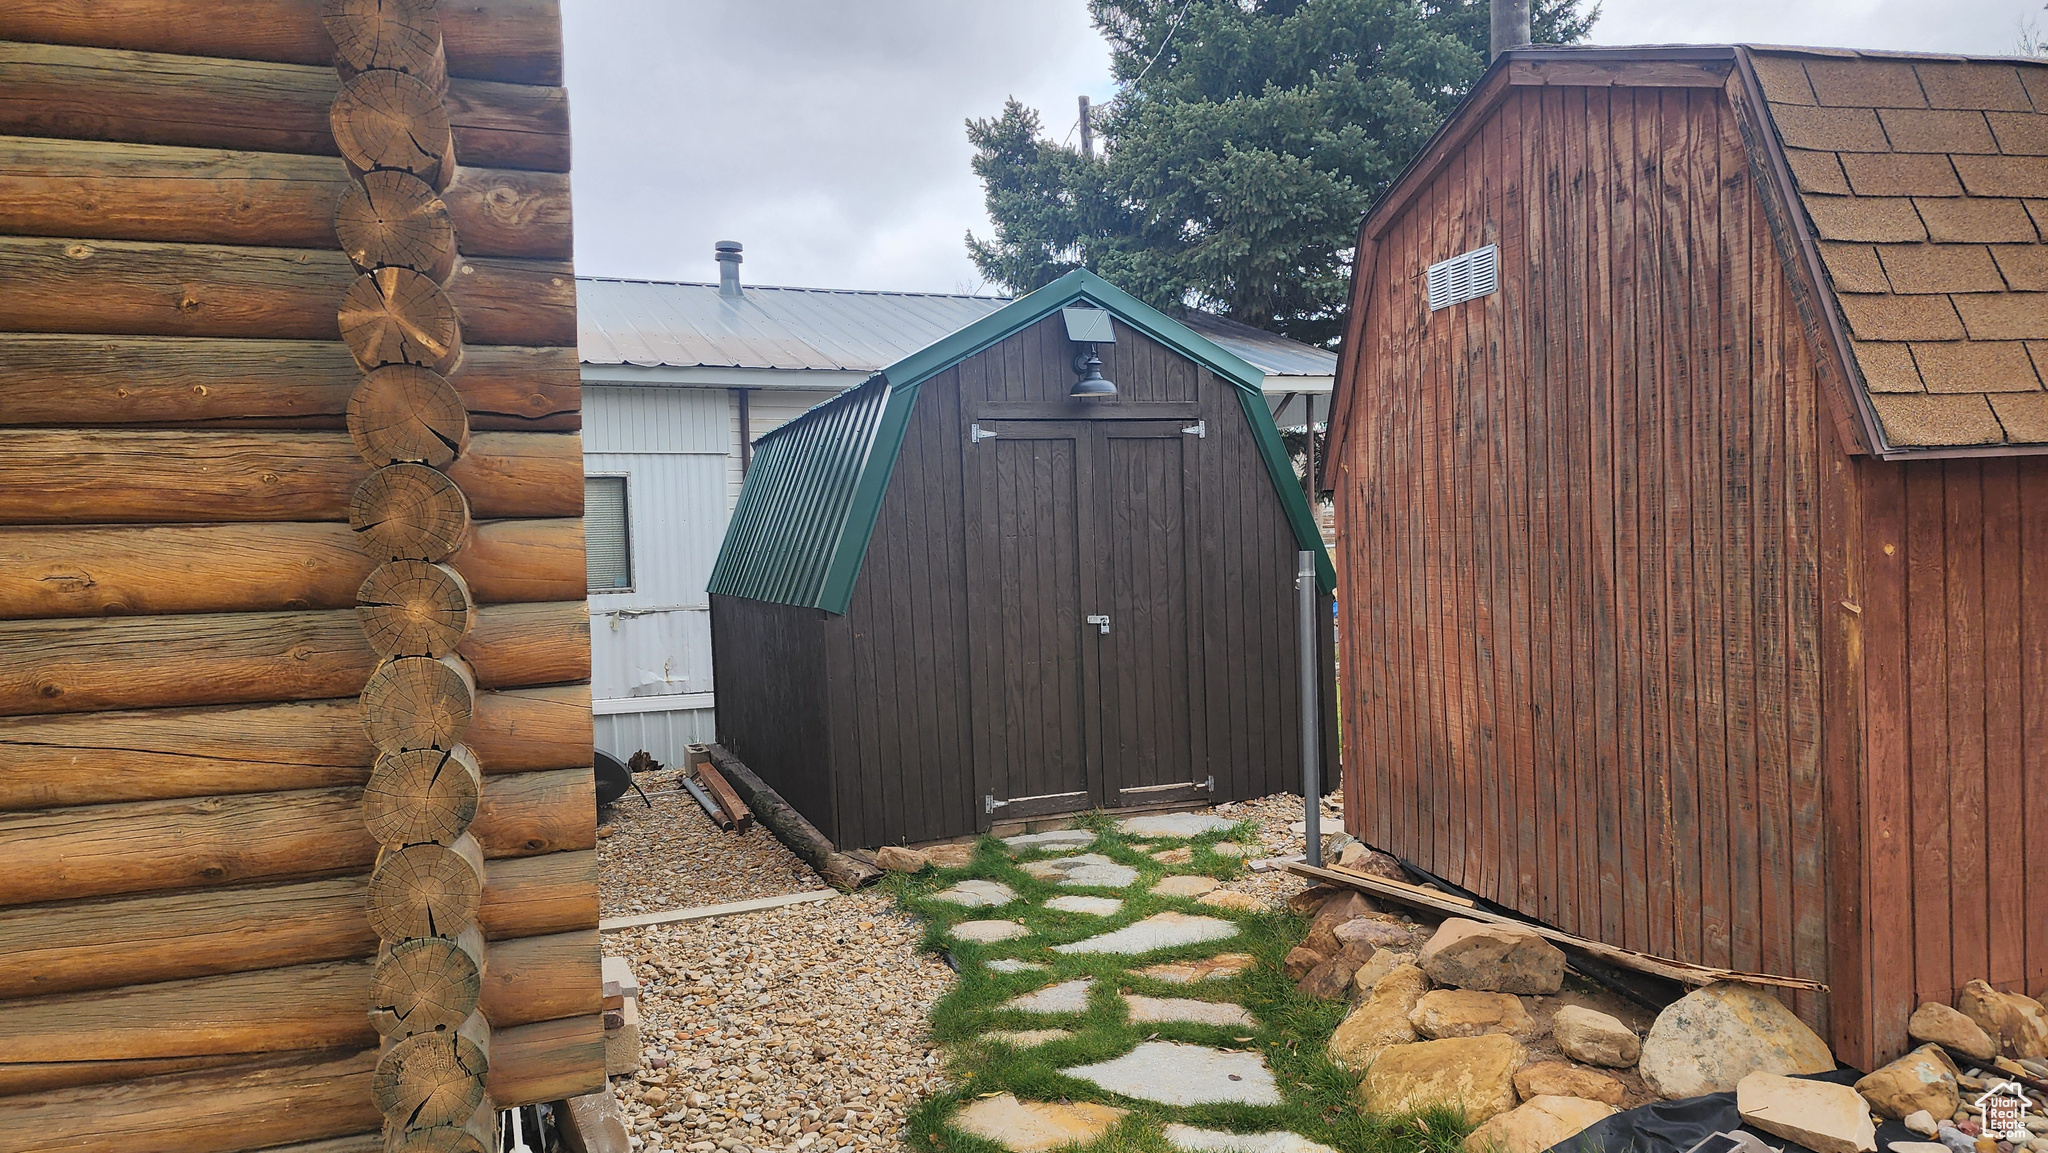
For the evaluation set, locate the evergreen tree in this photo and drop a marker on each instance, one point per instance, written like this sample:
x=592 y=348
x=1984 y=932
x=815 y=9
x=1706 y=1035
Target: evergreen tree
x=1246 y=140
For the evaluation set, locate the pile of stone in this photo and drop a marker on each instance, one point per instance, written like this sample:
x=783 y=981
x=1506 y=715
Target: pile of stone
x=1988 y=1102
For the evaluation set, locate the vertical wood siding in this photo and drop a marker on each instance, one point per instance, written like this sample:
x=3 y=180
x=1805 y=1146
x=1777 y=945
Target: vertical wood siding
x=1580 y=522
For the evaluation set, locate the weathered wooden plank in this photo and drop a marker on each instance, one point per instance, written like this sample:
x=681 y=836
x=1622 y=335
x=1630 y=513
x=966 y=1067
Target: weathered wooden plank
x=144 y=288
x=2004 y=715
x=511 y=40
x=1962 y=618
x=1840 y=758
x=201 y=102
x=1888 y=777
x=1926 y=638
x=88 y=189
x=2033 y=583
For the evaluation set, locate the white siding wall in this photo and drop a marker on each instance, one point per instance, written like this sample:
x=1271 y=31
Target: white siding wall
x=767 y=410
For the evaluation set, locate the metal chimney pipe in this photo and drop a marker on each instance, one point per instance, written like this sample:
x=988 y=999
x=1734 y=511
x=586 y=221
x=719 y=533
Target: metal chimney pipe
x=727 y=253
x=1510 y=26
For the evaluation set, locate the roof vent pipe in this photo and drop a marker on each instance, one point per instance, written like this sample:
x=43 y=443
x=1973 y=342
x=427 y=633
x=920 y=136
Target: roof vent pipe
x=1510 y=26
x=727 y=253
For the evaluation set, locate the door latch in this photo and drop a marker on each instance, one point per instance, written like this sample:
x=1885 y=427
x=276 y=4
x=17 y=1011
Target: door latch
x=1100 y=620
x=976 y=436
x=1200 y=429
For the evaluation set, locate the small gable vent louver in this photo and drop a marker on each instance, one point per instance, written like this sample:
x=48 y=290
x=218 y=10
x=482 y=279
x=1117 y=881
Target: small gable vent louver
x=1467 y=276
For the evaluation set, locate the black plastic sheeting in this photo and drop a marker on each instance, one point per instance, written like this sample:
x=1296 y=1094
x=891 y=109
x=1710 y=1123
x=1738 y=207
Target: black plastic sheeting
x=1676 y=1126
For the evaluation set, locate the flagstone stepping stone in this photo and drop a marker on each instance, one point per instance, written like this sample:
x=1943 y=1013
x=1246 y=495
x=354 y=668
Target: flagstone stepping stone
x=1180 y=856
x=1026 y=1038
x=1235 y=902
x=1183 y=886
x=1013 y=965
x=1065 y=997
x=1031 y=1126
x=989 y=930
x=1089 y=870
x=1094 y=906
x=1060 y=841
x=1207 y=969
x=1233 y=849
x=1150 y=1010
x=976 y=894
x=1189 y=1139
x=1158 y=931
x=1173 y=825
x=1175 y=1074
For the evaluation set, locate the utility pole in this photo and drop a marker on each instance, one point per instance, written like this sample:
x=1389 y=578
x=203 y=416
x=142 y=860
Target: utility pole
x=1087 y=132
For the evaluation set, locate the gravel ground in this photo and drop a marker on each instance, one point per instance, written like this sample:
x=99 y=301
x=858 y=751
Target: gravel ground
x=673 y=857
x=794 y=1029
x=1274 y=815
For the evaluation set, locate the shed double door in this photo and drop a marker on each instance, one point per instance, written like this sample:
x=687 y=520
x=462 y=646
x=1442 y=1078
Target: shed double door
x=1085 y=624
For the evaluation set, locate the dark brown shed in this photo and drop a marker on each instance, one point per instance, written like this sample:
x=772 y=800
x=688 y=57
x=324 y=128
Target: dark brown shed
x=1696 y=552
x=904 y=612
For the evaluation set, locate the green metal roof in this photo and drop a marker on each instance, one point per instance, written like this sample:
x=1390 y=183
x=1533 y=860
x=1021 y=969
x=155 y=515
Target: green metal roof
x=814 y=490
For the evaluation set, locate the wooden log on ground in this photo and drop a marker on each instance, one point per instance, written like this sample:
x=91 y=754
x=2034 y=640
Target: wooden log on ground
x=394 y=219
x=75 y=946
x=90 y=189
x=791 y=828
x=83 y=381
x=303 y=1097
x=524 y=814
x=268 y=1011
x=418 y=703
x=422 y=795
x=547 y=1061
x=542 y=978
x=51 y=476
x=401 y=35
x=426 y=890
x=427 y=984
x=728 y=801
x=150 y=98
x=137 y=288
x=527 y=896
x=511 y=40
x=433 y=1079
x=411 y=608
x=397 y=316
x=409 y=512
x=61 y=760
x=545 y=643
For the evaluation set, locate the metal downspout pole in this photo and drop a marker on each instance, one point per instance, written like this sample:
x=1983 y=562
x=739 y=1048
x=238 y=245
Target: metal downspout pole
x=1311 y=759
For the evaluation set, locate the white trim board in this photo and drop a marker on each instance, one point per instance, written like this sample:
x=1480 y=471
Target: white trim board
x=706 y=912
x=664 y=703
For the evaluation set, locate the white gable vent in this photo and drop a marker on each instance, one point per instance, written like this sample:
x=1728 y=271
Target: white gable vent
x=1468 y=276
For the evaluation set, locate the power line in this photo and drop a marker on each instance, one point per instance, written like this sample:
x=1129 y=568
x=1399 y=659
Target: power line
x=1171 y=29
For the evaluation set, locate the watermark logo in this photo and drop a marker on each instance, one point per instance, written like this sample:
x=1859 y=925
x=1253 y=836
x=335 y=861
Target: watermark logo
x=2005 y=1112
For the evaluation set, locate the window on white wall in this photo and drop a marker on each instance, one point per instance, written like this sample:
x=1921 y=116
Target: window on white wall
x=607 y=539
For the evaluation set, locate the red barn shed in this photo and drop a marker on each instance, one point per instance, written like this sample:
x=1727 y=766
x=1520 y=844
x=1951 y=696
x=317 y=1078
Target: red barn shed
x=1693 y=517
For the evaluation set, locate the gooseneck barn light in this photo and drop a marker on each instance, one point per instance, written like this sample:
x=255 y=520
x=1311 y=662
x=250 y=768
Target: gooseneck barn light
x=1089 y=327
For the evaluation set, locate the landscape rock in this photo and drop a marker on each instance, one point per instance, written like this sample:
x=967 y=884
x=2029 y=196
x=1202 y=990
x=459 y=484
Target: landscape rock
x=1922 y=1123
x=1917 y=1147
x=1013 y=965
x=1231 y=849
x=1322 y=938
x=1937 y=1024
x=1594 y=1038
x=986 y=931
x=897 y=859
x=977 y=894
x=1172 y=825
x=1477 y=1073
x=1920 y=1081
x=957 y=856
x=1359 y=859
x=1158 y=931
x=1215 y=968
x=1031 y=1126
x=1179 y=856
x=1538 y=1124
x=1086 y=870
x=1234 y=901
x=1183 y=886
x=1557 y=1079
x=1344 y=905
x=1065 y=997
x=1093 y=906
x=2018 y=1022
x=1381 y=1020
x=1189 y=1139
x=1300 y=962
x=1824 y=1117
x=1710 y=1039
x=1150 y=1010
x=1465 y=954
x=1307 y=901
x=1382 y=962
x=1175 y=1074
x=1026 y=1038
x=1059 y=840
x=1469 y=1013
x=1332 y=978
x=1372 y=931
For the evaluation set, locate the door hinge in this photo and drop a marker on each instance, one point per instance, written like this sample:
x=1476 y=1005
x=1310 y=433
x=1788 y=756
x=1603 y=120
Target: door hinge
x=1200 y=428
x=976 y=436
x=989 y=804
x=1100 y=620
x=1209 y=786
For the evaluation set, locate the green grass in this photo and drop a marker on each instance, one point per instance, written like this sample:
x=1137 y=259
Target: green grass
x=1320 y=1099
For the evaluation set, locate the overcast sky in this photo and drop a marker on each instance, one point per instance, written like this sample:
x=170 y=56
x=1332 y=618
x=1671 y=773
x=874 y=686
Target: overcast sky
x=826 y=135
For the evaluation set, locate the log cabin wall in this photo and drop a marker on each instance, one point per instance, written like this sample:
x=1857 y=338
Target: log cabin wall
x=290 y=500
x=1582 y=526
